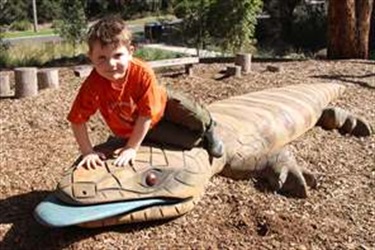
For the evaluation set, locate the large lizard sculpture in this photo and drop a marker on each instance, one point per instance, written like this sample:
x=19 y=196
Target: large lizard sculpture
x=255 y=128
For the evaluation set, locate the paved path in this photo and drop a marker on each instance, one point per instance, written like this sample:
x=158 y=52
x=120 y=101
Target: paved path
x=188 y=51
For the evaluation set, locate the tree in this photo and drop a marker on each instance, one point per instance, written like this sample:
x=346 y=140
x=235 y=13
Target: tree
x=232 y=23
x=195 y=16
x=48 y=10
x=349 y=28
x=363 y=15
x=35 y=17
x=229 y=25
x=72 y=24
x=372 y=29
x=282 y=14
x=12 y=11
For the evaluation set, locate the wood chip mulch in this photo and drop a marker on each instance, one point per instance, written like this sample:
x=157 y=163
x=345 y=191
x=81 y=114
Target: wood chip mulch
x=36 y=145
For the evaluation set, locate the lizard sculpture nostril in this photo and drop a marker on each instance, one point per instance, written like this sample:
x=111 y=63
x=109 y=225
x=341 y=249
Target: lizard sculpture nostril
x=84 y=190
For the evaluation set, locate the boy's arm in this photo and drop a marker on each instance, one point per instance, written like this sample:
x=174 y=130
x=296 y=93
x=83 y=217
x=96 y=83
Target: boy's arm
x=142 y=125
x=90 y=158
x=128 y=153
x=82 y=138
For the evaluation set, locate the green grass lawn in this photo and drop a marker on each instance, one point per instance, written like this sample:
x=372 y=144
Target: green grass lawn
x=41 y=32
x=49 y=31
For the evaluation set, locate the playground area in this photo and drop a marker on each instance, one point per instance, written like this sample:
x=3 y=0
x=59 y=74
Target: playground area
x=36 y=145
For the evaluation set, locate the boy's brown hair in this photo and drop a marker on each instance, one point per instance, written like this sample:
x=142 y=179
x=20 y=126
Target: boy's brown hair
x=111 y=30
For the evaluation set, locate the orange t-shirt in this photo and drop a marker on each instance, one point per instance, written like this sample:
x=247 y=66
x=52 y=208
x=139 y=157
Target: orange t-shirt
x=140 y=96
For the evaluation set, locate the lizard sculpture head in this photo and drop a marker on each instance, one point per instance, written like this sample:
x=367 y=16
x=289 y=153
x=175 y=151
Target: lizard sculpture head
x=156 y=173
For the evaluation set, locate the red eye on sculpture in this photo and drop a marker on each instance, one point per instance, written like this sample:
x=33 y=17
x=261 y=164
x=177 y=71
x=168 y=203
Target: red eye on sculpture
x=151 y=179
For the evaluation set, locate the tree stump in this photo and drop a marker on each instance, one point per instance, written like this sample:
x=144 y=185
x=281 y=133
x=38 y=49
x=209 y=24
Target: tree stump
x=234 y=71
x=4 y=85
x=82 y=71
x=189 y=69
x=48 y=78
x=273 y=68
x=243 y=60
x=26 y=82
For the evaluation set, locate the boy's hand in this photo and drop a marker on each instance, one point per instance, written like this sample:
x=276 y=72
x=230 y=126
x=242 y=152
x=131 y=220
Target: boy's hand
x=125 y=156
x=92 y=160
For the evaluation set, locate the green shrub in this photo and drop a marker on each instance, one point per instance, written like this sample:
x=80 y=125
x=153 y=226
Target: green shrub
x=5 y=60
x=232 y=32
x=372 y=55
x=73 y=24
x=36 y=54
x=4 y=46
x=27 y=56
x=21 y=25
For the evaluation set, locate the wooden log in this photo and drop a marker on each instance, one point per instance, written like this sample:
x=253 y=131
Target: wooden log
x=189 y=69
x=48 y=78
x=173 y=62
x=217 y=59
x=243 y=60
x=273 y=68
x=82 y=71
x=26 y=82
x=4 y=85
x=234 y=71
x=188 y=62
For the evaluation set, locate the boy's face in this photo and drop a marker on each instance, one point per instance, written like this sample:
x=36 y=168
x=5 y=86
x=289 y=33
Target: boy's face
x=111 y=61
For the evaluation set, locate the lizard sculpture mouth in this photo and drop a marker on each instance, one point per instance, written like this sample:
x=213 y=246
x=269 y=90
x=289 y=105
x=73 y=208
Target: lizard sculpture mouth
x=53 y=212
x=159 y=185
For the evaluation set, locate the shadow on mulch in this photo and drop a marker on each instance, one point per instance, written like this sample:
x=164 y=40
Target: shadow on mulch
x=68 y=61
x=26 y=233
x=350 y=79
x=369 y=62
x=7 y=97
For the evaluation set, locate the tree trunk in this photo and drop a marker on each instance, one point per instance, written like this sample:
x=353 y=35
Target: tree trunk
x=341 y=29
x=372 y=29
x=363 y=10
x=349 y=28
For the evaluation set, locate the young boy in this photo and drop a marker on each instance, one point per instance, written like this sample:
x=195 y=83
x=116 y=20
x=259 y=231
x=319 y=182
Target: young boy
x=125 y=91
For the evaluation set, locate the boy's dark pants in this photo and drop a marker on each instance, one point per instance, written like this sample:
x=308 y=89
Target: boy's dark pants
x=183 y=124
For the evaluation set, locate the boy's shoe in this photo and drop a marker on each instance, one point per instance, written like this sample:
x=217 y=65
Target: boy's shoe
x=214 y=146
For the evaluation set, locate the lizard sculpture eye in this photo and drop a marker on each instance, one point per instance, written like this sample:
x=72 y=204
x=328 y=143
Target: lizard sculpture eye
x=151 y=179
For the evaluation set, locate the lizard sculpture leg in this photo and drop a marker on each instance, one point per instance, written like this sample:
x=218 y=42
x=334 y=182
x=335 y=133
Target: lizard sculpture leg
x=344 y=122
x=284 y=174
